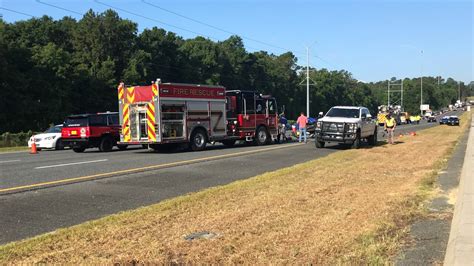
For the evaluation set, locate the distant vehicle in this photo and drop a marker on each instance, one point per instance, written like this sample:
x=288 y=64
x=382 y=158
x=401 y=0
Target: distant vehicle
x=444 y=120
x=453 y=121
x=428 y=113
x=50 y=139
x=415 y=119
x=346 y=124
x=404 y=118
x=431 y=119
x=101 y=130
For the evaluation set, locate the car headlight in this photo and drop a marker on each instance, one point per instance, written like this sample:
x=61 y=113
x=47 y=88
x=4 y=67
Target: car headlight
x=352 y=127
x=50 y=138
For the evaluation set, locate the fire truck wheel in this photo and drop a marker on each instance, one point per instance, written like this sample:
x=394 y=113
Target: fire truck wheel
x=198 y=140
x=228 y=143
x=261 y=136
x=106 y=144
x=79 y=149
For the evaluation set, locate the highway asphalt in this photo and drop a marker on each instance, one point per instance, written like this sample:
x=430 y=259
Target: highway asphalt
x=54 y=189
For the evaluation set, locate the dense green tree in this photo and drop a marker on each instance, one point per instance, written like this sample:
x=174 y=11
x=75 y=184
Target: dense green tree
x=52 y=68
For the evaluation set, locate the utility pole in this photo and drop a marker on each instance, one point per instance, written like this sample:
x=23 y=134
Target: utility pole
x=307 y=81
x=397 y=100
x=421 y=92
x=388 y=94
x=401 y=98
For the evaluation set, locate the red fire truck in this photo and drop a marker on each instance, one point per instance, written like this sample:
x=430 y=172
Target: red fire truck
x=164 y=113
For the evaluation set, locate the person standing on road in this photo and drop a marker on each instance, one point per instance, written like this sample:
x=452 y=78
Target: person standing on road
x=389 y=126
x=283 y=121
x=302 y=121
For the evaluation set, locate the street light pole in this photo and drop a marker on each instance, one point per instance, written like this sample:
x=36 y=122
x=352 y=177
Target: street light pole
x=459 y=90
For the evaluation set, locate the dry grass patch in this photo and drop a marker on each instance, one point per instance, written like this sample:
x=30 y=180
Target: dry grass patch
x=348 y=206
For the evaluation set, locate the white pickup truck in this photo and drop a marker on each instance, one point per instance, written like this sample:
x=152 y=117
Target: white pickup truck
x=346 y=124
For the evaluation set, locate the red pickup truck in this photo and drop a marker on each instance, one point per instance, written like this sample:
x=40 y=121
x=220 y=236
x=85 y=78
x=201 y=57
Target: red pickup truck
x=101 y=130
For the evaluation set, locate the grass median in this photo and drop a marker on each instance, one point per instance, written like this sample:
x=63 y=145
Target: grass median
x=13 y=149
x=350 y=206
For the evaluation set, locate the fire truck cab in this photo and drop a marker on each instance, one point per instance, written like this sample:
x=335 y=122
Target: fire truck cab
x=251 y=117
x=166 y=113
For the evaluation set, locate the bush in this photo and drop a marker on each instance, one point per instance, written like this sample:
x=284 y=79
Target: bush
x=8 y=139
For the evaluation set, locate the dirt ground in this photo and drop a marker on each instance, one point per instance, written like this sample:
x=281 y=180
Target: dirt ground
x=351 y=206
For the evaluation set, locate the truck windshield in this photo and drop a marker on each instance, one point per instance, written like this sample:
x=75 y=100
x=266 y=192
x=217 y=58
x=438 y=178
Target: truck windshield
x=341 y=112
x=76 y=122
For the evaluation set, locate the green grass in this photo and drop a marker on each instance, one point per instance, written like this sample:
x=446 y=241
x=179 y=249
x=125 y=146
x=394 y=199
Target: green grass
x=10 y=149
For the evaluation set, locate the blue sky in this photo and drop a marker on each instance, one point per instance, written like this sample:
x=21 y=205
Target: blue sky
x=374 y=40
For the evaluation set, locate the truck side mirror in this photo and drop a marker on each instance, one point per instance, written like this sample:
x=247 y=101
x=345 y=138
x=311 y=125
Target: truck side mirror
x=369 y=116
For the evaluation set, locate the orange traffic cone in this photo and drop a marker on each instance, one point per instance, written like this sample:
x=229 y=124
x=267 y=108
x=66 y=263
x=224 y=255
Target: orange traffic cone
x=33 y=148
x=401 y=135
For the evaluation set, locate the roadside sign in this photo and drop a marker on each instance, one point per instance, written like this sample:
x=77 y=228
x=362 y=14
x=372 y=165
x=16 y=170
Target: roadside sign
x=424 y=107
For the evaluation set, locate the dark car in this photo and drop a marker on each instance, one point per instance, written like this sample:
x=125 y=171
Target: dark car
x=453 y=121
x=100 y=130
x=444 y=120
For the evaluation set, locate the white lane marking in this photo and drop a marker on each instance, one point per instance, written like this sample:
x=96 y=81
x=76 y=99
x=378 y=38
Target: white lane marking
x=10 y=161
x=66 y=164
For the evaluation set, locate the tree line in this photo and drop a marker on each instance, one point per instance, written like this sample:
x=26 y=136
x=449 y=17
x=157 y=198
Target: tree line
x=53 y=68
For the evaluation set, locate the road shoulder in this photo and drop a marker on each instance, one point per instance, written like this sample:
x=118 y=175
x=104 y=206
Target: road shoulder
x=429 y=236
x=460 y=250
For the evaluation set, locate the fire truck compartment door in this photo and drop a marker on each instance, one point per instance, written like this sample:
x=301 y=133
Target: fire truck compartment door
x=173 y=119
x=218 y=126
x=138 y=123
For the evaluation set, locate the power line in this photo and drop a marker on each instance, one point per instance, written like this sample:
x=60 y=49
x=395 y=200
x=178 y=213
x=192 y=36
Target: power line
x=62 y=8
x=155 y=20
x=229 y=32
x=212 y=26
x=181 y=28
x=173 y=26
x=164 y=23
x=18 y=12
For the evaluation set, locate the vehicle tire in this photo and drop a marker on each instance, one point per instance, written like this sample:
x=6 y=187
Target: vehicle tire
x=356 y=143
x=198 y=140
x=228 y=143
x=106 y=144
x=145 y=146
x=373 y=139
x=79 y=149
x=261 y=136
x=59 y=145
x=122 y=147
x=320 y=144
